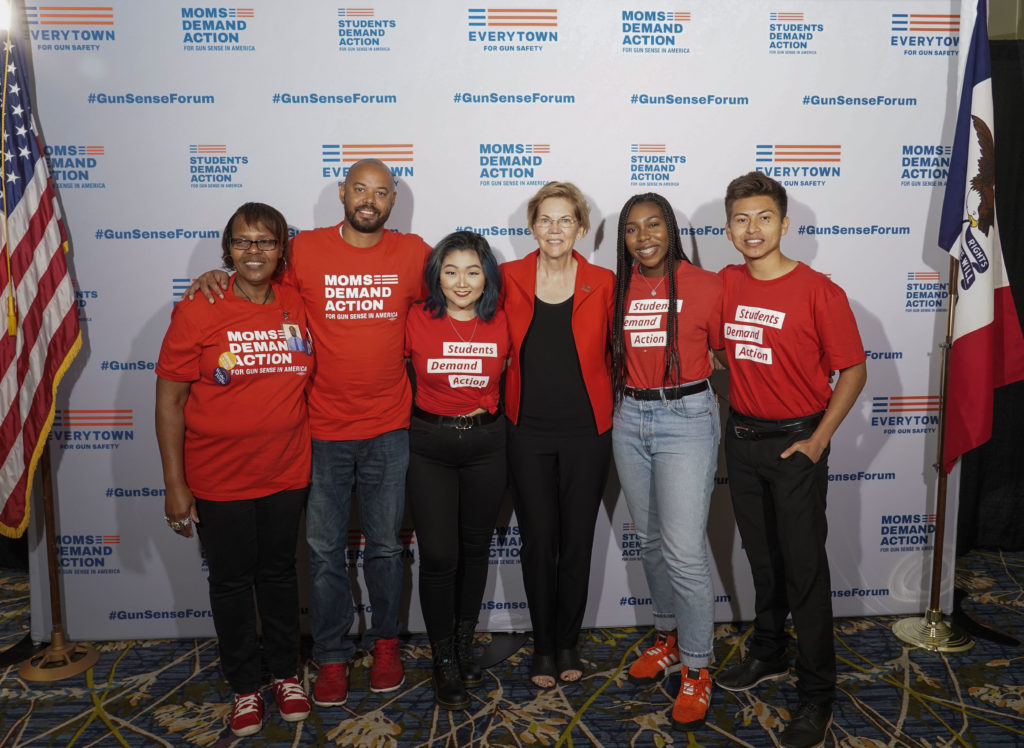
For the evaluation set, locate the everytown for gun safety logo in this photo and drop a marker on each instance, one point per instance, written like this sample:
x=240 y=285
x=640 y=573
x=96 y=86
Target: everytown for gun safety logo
x=357 y=545
x=70 y=28
x=92 y=429
x=906 y=414
x=512 y=29
x=906 y=532
x=799 y=165
x=337 y=158
x=925 y=34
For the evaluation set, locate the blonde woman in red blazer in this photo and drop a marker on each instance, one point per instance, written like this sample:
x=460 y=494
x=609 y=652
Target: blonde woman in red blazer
x=558 y=401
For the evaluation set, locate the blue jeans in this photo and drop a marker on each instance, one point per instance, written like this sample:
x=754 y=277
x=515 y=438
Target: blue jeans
x=666 y=452
x=377 y=466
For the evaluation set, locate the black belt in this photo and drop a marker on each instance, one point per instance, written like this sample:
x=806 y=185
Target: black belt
x=457 y=422
x=667 y=393
x=750 y=428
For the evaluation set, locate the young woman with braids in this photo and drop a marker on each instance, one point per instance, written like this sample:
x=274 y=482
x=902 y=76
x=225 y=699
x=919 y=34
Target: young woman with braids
x=665 y=438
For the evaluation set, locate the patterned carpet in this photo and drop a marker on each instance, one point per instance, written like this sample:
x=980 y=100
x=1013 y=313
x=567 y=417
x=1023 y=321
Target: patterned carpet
x=170 y=693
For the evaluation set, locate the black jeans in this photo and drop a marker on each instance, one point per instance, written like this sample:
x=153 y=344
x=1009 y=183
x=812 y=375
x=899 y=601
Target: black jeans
x=250 y=544
x=559 y=480
x=780 y=512
x=454 y=487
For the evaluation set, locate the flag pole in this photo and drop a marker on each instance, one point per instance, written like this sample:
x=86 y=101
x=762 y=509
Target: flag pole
x=61 y=659
x=933 y=632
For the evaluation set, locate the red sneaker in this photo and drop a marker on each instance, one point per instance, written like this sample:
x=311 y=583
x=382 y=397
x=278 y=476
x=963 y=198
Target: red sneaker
x=247 y=714
x=331 y=687
x=692 y=702
x=291 y=699
x=660 y=658
x=386 y=673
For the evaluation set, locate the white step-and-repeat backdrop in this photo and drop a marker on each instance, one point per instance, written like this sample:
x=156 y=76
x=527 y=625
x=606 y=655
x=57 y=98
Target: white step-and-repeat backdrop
x=160 y=118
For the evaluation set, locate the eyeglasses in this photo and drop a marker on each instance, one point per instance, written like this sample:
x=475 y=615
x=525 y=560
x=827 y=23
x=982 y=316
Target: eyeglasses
x=565 y=222
x=244 y=245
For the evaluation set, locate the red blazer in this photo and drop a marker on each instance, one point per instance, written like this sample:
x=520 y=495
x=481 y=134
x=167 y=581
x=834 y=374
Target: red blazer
x=593 y=300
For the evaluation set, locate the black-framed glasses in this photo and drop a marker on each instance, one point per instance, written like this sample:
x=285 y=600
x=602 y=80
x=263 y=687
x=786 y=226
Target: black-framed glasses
x=244 y=245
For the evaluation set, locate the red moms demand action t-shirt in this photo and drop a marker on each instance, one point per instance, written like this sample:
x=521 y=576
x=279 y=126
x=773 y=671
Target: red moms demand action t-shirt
x=246 y=424
x=357 y=300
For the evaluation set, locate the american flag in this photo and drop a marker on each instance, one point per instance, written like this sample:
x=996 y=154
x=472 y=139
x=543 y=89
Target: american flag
x=41 y=336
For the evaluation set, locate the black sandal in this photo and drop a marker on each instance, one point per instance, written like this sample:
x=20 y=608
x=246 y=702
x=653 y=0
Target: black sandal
x=543 y=666
x=567 y=660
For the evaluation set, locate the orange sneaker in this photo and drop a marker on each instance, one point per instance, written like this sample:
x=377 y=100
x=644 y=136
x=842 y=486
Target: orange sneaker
x=692 y=702
x=657 y=661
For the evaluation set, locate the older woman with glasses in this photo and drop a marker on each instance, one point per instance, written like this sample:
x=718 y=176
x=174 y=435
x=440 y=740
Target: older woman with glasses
x=558 y=401
x=234 y=441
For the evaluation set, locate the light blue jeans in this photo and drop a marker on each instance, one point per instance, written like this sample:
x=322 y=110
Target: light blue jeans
x=377 y=466
x=666 y=452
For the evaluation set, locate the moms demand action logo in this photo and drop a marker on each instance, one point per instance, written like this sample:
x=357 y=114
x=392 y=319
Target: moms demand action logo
x=925 y=34
x=359 y=30
x=505 y=545
x=70 y=28
x=87 y=554
x=75 y=166
x=216 y=29
x=906 y=414
x=799 y=165
x=924 y=165
x=92 y=429
x=926 y=292
x=513 y=29
x=654 y=31
x=788 y=34
x=512 y=164
x=906 y=532
x=337 y=158
x=650 y=165
x=210 y=165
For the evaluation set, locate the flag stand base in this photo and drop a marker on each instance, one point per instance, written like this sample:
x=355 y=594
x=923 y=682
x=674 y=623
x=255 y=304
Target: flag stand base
x=932 y=633
x=60 y=660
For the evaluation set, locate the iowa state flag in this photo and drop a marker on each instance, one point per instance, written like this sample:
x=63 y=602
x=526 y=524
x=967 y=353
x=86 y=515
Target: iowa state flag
x=988 y=348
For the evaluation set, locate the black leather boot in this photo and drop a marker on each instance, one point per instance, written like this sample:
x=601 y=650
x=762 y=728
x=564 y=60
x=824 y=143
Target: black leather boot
x=472 y=675
x=449 y=691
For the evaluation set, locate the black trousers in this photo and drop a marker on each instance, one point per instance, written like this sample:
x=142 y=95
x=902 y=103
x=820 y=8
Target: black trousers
x=559 y=480
x=780 y=512
x=454 y=487
x=250 y=545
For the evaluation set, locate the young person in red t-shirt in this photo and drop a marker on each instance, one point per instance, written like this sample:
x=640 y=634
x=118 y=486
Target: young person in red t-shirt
x=458 y=342
x=668 y=318
x=233 y=431
x=786 y=328
x=358 y=280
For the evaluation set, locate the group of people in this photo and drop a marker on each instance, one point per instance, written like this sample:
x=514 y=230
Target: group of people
x=534 y=373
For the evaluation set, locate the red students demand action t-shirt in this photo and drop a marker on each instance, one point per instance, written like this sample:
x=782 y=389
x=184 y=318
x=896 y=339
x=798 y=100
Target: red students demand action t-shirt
x=357 y=299
x=784 y=337
x=246 y=426
x=698 y=326
x=458 y=363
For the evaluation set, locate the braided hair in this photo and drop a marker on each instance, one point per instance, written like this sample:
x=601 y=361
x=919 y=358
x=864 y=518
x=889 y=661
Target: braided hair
x=624 y=276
